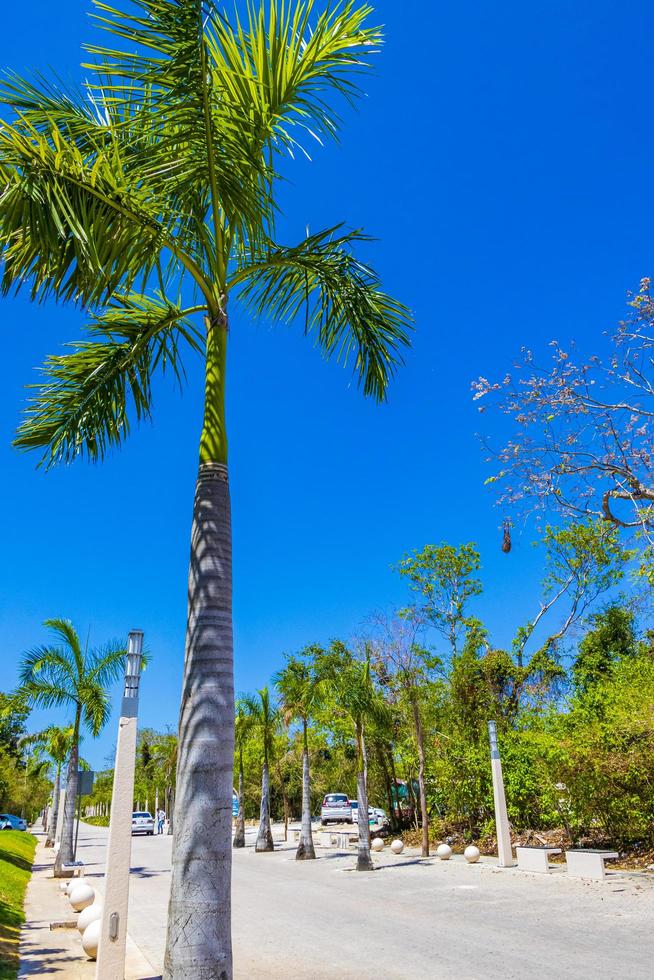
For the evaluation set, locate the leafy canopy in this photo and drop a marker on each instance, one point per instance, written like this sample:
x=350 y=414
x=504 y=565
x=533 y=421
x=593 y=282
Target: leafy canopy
x=161 y=174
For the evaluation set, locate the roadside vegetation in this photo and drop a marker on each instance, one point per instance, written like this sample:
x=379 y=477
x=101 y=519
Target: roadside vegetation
x=16 y=857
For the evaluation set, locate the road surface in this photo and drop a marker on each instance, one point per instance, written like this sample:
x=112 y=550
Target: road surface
x=320 y=920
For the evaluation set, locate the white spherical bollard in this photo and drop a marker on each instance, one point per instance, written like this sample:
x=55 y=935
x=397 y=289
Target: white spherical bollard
x=471 y=854
x=397 y=846
x=444 y=852
x=89 y=915
x=377 y=844
x=91 y=938
x=74 y=882
x=81 y=897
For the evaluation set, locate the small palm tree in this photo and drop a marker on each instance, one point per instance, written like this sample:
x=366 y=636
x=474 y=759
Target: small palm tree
x=159 y=182
x=56 y=743
x=265 y=722
x=300 y=693
x=65 y=675
x=164 y=755
x=349 y=681
x=242 y=731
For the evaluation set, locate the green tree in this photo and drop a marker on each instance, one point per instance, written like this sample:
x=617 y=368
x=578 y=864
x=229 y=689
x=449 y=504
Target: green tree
x=165 y=756
x=65 y=675
x=160 y=181
x=300 y=693
x=611 y=637
x=265 y=718
x=349 y=681
x=13 y=715
x=56 y=743
x=242 y=732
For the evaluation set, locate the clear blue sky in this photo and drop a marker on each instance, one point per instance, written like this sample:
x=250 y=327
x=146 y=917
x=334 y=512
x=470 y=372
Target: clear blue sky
x=503 y=157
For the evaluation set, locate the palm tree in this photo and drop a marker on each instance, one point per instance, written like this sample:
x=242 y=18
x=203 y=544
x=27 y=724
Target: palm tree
x=159 y=181
x=265 y=721
x=242 y=731
x=165 y=752
x=61 y=675
x=57 y=744
x=300 y=691
x=349 y=680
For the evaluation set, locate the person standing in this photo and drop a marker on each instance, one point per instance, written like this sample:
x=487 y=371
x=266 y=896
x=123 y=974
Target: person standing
x=161 y=816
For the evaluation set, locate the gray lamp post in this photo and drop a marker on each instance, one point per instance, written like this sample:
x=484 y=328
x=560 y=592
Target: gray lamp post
x=113 y=935
x=504 y=850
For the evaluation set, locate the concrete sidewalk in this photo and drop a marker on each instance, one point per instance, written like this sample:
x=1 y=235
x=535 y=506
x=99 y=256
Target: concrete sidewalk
x=58 y=952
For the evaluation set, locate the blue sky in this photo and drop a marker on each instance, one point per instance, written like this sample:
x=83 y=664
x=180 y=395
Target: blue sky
x=502 y=156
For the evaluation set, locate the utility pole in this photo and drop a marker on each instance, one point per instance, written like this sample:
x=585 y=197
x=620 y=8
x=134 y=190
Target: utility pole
x=504 y=849
x=113 y=935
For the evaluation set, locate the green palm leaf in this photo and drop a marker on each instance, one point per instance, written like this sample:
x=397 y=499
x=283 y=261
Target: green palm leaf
x=82 y=406
x=346 y=311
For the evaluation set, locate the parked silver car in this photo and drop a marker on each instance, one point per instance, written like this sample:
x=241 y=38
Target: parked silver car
x=143 y=823
x=336 y=808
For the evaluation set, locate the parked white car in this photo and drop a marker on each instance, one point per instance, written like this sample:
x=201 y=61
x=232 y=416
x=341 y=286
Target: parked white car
x=336 y=808
x=143 y=823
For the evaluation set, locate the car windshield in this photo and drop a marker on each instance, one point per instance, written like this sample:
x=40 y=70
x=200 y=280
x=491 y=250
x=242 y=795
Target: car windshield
x=336 y=798
x=148 y=815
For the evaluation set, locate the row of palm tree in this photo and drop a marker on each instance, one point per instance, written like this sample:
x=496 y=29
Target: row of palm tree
x=307 y=682
x=159 y=181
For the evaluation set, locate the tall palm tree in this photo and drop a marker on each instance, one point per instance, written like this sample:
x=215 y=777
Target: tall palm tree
x=159 y=181
x=64 y=675
x=56 y=743
x=349 y=680
x=265 y=722
x=242 y=730
x=300 y=692
x=165 y=753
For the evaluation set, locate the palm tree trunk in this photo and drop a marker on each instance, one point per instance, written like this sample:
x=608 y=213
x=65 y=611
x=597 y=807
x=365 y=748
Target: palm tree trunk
x=66 y=846
x=305 y=849
x=264 y=837
x=54 y=810
x=364 y=861
x=198 y=942
x=239 y=836
x=417 y=721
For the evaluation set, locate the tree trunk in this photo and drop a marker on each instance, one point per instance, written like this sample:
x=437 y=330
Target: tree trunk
x=170 y=810
x=264 y=837
x=239 y=836
x=54 y=810
x=364 y=861
x=417 y=720
x=66 y=846
x=198 y=942
x=305 y=849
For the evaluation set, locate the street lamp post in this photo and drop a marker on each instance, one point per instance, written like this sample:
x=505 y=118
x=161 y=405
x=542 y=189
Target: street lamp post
x=113 y=935
x=504 y=849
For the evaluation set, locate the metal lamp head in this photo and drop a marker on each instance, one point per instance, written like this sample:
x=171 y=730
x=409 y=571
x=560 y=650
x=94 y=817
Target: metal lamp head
x=133 y=662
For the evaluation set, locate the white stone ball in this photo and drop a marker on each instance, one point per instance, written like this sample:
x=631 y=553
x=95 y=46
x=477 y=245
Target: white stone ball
x=73 y=883
x=444 y=852
x=81 y=897
x=397 y=846
x=91 y=938
x=471 y=854
x=89 y=915
x=377 y=844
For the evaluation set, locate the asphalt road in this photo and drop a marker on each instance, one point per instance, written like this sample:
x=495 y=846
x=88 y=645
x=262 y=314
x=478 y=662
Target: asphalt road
x=320 y=920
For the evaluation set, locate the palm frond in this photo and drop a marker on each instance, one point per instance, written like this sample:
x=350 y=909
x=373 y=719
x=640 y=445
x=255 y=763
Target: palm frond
x=64 y=630
x=45 y=670
x=344 y=306
x=106 y=664
x=83 y=405
x=278 y=66
x=96 y=707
